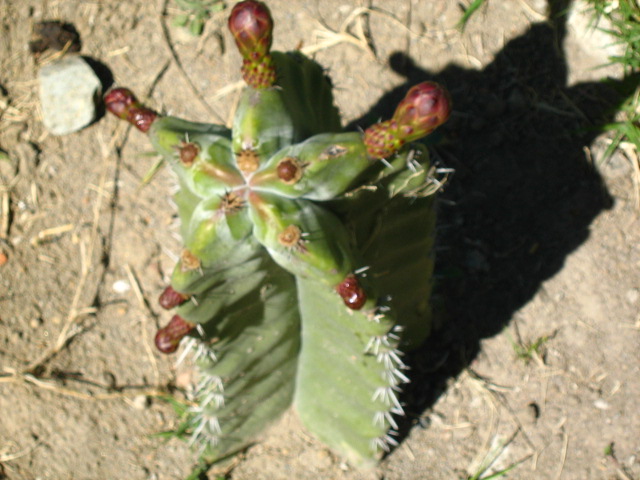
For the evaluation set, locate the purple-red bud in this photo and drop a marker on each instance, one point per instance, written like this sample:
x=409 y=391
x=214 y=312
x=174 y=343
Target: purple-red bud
x=118 y=101
x=289 y=170
x=169 y=298
x=123 y=104
x=168 y=338
x=351 y=292
x=425 y=107
x=188 y=153
x=251 y=25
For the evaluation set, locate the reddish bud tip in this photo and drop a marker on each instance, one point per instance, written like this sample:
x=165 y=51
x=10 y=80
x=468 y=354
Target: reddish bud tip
x=169 y=298
x=382 y=139
x=123 y=104
x=425 y=107
x=119 y=100
x=351 y=292
x=251 y=25
x=188 y=153
x=289 y=170
x=141 y=118
x=168 y=338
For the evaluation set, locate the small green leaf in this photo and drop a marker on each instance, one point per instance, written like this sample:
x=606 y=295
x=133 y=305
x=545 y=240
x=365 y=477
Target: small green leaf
x=196 y=27
x=180 y=20
x=470 y=10
x=152 y=172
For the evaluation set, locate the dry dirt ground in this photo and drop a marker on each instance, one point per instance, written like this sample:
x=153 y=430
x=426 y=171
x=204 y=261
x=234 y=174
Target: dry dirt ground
x=535 y=359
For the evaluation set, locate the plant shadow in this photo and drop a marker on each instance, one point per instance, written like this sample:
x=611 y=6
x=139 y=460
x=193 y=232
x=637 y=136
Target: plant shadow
x=523 y=196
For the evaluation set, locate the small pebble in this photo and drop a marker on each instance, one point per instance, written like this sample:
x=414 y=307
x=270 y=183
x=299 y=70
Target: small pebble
x=601 y=404
x=121 y=286
x=69 y=90
x=633 y=295
x=140 y=402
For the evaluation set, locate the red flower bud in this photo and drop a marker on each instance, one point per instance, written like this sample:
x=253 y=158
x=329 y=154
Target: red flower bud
x=425 y=107
x=123 y=104
x=118 y=101
x=168 y=338
x=169 y=298
x=351 y=292
x=251 y=25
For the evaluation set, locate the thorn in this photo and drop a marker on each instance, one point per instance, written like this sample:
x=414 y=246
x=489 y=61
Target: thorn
x=385 y=163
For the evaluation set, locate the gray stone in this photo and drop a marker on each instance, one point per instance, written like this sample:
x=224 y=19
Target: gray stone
x=69 y=89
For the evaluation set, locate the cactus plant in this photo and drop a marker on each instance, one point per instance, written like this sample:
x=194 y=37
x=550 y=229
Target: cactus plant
x=308 y=252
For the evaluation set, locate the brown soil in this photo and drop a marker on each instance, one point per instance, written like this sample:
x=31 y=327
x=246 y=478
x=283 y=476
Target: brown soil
x=537 y=254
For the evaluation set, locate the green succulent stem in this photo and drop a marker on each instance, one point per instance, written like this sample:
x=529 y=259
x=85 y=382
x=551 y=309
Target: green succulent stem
x=304 y=258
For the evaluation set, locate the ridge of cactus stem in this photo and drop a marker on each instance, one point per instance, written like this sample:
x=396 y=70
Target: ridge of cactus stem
x=200 y=155
x=261 y=127
x=349 y=375
x=247 y=376
x=322 y=167
x=322 y=249
x=303 y=79
x=425 y=107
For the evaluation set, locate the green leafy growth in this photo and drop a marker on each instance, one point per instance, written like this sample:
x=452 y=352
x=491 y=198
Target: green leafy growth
x=468 y=13
x=624 y=19
x=196 y=13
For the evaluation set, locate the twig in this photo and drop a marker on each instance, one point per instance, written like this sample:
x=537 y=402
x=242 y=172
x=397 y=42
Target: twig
x=632 y=155
x=131 y=391
x=44 y=235
x=563 y=455
x=7 y=457
x=5 y=214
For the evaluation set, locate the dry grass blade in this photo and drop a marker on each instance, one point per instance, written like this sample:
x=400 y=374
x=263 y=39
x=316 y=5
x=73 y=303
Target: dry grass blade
x=5 y=214
x=69 y=392
x=47 y=234
x=631 y=153
x=8 y=457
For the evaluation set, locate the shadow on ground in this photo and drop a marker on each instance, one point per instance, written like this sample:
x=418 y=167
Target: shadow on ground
x=523 y=196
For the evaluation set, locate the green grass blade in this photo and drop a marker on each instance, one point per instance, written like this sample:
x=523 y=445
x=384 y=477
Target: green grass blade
x=470 y=10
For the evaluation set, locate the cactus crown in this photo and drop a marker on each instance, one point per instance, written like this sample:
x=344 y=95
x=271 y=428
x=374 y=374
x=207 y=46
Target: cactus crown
x=295 y=281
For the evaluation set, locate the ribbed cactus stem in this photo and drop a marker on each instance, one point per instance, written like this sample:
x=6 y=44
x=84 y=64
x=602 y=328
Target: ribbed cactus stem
x=123 y=104
x=425 y=107
x=251 y=25
x=277 y=213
